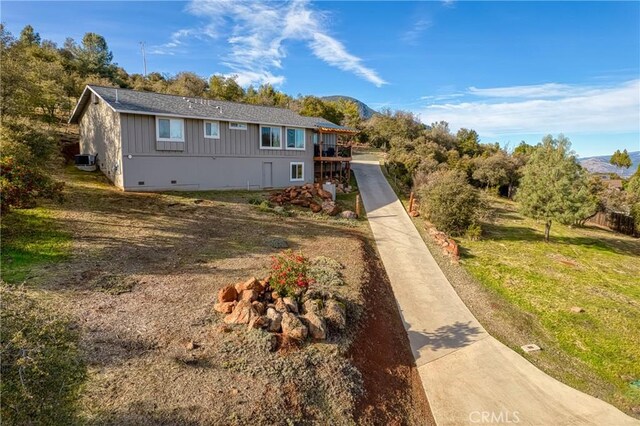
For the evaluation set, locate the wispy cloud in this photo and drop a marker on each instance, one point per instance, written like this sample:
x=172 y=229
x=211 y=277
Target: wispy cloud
x=543 y=108
x=412 y=35
x=257 y=32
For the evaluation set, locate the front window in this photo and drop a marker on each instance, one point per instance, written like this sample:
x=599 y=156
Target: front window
x=297 y=171
x=170 y=129
x=212 y=129
x=295 y=138
x=270 y=137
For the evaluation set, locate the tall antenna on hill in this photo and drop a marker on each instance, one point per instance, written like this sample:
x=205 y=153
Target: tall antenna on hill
x=144 y=58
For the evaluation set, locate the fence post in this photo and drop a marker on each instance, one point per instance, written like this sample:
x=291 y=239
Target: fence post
x=358 y=205
x=411 y=200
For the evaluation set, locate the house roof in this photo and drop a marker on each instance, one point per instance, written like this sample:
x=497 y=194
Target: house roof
x=150 y=103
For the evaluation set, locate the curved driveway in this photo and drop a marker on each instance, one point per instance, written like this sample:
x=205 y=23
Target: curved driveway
x=469 y=377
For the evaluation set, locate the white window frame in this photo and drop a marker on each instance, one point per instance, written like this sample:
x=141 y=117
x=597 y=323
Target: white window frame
x=304 y=139
x=204 y=129
x=260 y=137
x=158 y=138
x=233 y=125
x=296 y=163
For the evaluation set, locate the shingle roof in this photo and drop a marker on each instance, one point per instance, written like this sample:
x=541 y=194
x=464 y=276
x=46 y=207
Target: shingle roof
x=135 y=102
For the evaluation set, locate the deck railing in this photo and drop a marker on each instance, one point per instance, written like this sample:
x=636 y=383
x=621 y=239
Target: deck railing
x=332 y=150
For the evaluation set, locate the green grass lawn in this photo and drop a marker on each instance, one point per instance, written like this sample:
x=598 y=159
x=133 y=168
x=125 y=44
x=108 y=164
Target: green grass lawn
x=590 y=268
x=30 y=239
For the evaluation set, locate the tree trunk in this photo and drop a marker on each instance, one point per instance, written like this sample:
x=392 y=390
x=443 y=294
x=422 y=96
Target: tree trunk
x=510 y=192
x=547 y=228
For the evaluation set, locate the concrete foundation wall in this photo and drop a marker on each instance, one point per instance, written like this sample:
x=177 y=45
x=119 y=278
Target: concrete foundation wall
x=156 y=173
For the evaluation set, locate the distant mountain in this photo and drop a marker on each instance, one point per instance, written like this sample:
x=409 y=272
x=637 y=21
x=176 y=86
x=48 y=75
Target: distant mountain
x=601 y=164
x=365 y=112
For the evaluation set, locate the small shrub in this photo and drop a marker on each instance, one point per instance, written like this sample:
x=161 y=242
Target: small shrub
x=42 y=372
x=289 y=273
x=264 y=206
x=326 y=271
x=278 y=243
x=256 y=201
x=21 y=185
x=474 y=232
x=449 y=202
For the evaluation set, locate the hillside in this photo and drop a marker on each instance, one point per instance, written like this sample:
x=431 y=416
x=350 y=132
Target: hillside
x=365 y=111
x=600 y=164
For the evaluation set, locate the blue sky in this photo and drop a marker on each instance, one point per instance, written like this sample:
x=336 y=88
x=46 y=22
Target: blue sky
x=511 y=70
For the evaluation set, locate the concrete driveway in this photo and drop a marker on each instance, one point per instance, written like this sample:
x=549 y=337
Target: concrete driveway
x=469 y=377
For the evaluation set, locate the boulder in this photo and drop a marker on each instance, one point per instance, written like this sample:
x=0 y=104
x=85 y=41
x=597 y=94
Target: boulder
x=324 y=194
x=316 y=325
x=577 y=310
x=227 y=294
x=249 y=295
x=275 y=295
x=243 y=313
x=259 y=307
x=312 y=306
x=414 y=213
x=348 y=214
x=330 y=208
x=335 y=314
x=275 y=320
x=258 y=322
x=225 y=307
x=251 y=284
x=315 y=207
x=291 y=304
x=293 y=328
x=280 y=305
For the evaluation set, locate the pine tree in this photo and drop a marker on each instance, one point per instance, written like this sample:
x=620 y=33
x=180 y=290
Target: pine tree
x=554 y=186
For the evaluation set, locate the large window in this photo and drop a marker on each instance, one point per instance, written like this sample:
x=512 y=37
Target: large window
x=212 y=129
x=297 y=171
x=295 y=138
x=270 y=137
x=170 y=129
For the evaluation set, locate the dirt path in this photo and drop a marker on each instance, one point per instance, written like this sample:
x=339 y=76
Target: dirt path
x=382 y=349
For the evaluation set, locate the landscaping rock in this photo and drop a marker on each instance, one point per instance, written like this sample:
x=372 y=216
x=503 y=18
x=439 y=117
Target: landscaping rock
x=335 y=314
x=577 y=310
x=312 y=306
x=348 y=214
x=259 y=322
x=330 y=208
x=316 y=325
x=259 y=307
x=242 y=314
x=275 y=318
x=315 y=207
x=249 y=295
x=280 y=306
x=324 y=194
x=225 y=307
x=251 y=284
x=293 y=328
x=291 y=304
x=227 y=294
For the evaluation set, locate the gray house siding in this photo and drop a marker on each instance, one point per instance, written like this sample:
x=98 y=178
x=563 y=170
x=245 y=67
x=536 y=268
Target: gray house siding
x=235 y=161
x=100 y=135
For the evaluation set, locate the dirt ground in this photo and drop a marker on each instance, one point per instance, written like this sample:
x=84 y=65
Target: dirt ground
x=142 y=281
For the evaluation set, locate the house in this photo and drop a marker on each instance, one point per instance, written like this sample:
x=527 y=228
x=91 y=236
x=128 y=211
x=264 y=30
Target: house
x=146 y=141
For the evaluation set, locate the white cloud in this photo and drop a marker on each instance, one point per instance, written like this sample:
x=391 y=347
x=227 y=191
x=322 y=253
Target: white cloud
x=257 y=32
x=412 y=35
x=547 y=108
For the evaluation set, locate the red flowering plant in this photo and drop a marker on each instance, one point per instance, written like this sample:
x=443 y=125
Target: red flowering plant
x=289 y=273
